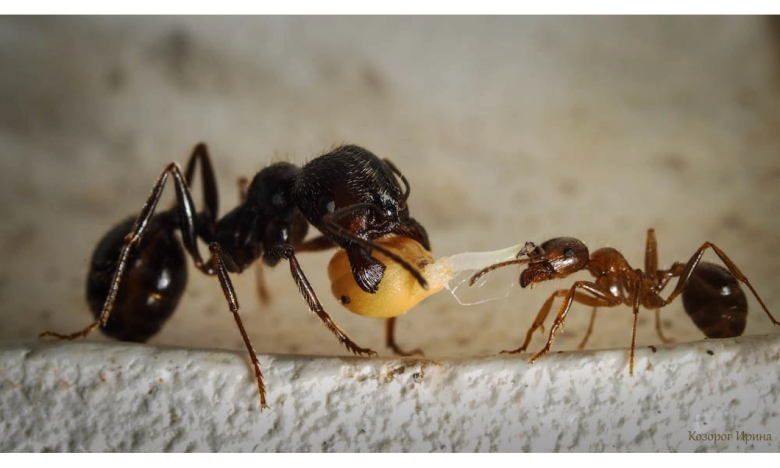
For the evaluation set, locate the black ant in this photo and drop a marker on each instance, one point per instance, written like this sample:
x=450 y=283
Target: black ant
x=711 y=294
x=138 y=273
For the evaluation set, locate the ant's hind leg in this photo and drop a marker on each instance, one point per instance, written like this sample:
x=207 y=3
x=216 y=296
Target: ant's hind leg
x=287 y=252
x=694 y=261
x=659 y=328
x=390 y=340
x=186 y=215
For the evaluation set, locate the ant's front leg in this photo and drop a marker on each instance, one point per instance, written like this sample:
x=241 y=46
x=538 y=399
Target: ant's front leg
x=287 y=252
x=602 y=298
x=330 y=227
x=186 y=213
x=542 y=315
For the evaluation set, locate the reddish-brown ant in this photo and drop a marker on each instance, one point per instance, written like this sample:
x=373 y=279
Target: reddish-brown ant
x=711 y=294
x=352 y=197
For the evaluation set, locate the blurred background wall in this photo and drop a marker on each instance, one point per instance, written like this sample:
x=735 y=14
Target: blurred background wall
x=508 y=129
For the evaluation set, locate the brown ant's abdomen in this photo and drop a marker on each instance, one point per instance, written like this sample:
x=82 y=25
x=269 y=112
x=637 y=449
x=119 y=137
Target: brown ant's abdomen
x=152 y=285
x=715 y=302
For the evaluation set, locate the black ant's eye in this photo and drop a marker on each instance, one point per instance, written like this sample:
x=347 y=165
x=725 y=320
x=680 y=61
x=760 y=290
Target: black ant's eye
x=277 y=199
x=327 y=204
x=569 y=252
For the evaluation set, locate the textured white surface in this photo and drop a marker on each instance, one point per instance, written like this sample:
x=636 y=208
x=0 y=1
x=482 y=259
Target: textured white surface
x=118 y=397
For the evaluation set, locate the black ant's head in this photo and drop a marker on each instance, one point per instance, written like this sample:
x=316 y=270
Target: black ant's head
x=270 y=196
x=555 y=258
x=353 y=188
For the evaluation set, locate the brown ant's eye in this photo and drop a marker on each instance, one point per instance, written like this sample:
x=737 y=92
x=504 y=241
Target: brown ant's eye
x=568 y=252
x=327 y=204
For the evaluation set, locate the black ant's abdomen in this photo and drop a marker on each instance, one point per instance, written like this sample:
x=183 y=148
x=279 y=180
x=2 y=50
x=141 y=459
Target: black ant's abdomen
x=153 y=282
x=715 y=302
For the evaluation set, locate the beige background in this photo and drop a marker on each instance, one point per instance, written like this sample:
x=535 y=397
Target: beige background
x=509 y=129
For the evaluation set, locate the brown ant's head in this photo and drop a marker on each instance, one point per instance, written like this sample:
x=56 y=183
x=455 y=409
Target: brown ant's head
x=556 y=258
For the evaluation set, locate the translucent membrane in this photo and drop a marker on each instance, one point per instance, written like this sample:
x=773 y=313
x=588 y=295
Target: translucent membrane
x=399 y=291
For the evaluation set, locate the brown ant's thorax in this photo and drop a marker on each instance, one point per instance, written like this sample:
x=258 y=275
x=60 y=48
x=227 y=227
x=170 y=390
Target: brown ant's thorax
x=607 y=261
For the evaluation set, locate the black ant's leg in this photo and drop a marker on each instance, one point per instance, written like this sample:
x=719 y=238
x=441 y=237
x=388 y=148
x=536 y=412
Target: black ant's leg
x=329 y=225
x=390 y=340
x=186 y=212
x=210 y=194
x=243 y=189
x=590 y=329
x=694 y=261
x=260 y=285
x=287 y=252
x=602 y=298
x=542 y=315
x=316 y=244
x=219 y=257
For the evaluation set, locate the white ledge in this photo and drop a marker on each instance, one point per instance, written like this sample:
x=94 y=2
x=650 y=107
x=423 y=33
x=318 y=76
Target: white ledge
x=121 y=397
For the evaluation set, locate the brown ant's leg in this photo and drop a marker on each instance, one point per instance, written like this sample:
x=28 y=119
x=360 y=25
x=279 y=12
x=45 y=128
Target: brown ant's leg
x=658 y=328
x=186 y=213
x=651 y=256
x=633 y=329
x=694 y=261
x=542 y=315
x=590 y=329
x=334 y=229
x=230 y=294
x=287 y=251
x=602 y=299
x=660 y=278
x=390 y=340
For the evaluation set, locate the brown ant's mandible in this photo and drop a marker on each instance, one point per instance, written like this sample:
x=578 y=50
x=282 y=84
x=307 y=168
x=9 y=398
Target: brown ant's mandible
x=138 y=274
x=711 y=294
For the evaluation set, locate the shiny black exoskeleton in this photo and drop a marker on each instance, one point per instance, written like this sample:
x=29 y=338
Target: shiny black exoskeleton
x=137 y=275
x=153 y=283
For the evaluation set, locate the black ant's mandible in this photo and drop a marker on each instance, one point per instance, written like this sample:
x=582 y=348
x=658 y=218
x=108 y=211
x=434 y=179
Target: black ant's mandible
x=711 y=294
x=138 y=274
